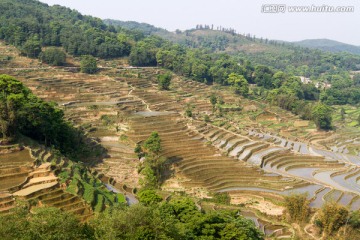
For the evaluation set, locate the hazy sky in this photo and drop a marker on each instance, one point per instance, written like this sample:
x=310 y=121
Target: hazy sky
x=244 y=16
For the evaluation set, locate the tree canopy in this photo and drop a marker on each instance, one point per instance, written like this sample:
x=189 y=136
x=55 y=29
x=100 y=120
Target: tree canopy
x=53 y=56
x=88 y=64
x=322 y=116
x=164 y=81
x=21 y=112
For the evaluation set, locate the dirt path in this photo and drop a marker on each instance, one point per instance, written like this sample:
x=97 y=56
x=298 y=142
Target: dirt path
x=308 y=226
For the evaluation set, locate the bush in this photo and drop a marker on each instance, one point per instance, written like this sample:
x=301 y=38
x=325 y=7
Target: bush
x=206 y=118
x=297 y=206
x=331 y=217
x=164 y=81
x=42 y=223
x=149 y=197
x=354 y=219
x=188 y=112
x=53 y=56
x=88 y=64
x=31 y=48
x=322 y=116
x=222 y=198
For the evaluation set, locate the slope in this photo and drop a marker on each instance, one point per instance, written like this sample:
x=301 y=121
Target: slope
x=329 y=45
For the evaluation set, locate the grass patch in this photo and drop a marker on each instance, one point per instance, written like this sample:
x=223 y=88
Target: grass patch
x=120 y=198
x=99 y=207
x=64 y=176
x=353 y=124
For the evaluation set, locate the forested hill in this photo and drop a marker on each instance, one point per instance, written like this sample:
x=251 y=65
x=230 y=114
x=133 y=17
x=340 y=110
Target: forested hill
x=329 y=45
x=298 y=60
x=145 y=28
x=202 y=54
x=279 y=55
x=27 y=23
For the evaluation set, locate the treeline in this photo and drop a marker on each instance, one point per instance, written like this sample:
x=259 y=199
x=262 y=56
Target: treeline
x=280 y=88
x=31 y=25
x=177 y=219
x=344 y=89
x=311 y=63
x=21 y=112
x=140 y=28
x=282 y=56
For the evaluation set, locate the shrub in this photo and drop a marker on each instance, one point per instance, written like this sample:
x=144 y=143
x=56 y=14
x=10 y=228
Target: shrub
x=297 y=206
x=331 y=217
x=322 y=116
x=149 y=197
x=53 y=56
x=88 y=64
x=164 y=81
x=206 y=118
x=31 y=48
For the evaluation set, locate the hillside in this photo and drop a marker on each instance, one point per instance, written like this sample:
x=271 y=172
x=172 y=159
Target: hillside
x=201 y=134
x=283 y=56
x=329 y=45
x=259 y=149
x=31 y=24
x=144 y=28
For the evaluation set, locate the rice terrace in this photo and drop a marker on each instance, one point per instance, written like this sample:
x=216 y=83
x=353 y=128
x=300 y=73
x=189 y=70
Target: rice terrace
x=122 y=130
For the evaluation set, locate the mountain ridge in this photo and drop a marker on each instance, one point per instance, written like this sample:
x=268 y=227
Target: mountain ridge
x=329 y=45
x=323 y=44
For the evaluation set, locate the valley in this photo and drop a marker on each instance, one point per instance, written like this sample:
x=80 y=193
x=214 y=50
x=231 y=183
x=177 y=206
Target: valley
x=119 y=109
x=122 y=130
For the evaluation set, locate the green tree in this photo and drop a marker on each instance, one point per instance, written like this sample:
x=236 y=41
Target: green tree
x=14 y=225
x=213 y=99
x=153 y=166
x=134 y=223
x=263 y=76
x=22 y=112
x=278 y=79
x=342 y=114
x=331 y=217
x=297 y=206
x=199 y=71
x=88 y=64
x=238 y=84
x=149 y=197
x=53 y=56
x=152 y=145
x=322 y=116
x=44 y=223
x=207 y=118
x=164 y=81
x=189 y=110
x=31 y=48
x=144 y=52
x=12 y=97
x=354 y=219
x=54 y=224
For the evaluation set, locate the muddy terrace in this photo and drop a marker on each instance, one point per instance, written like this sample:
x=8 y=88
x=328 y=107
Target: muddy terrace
x=252 y=150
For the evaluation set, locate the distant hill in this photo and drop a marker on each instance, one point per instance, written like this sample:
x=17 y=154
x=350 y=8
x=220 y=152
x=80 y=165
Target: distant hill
x=286 y=56
x=146 y=28
x=329 y=45
x=226 y=41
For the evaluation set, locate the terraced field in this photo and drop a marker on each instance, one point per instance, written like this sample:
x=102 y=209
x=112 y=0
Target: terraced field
x=119 y=111
x=28 y=175
x=247 y=147
x=223 y=160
